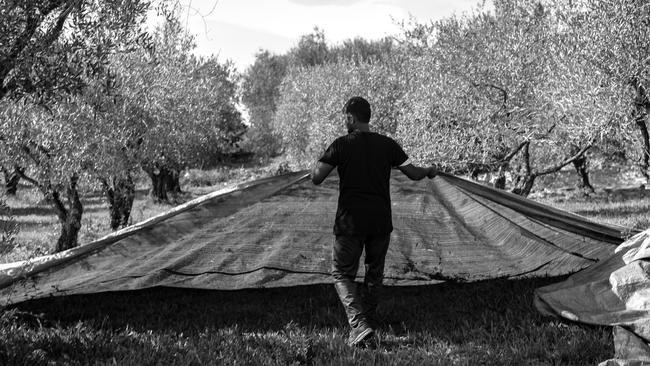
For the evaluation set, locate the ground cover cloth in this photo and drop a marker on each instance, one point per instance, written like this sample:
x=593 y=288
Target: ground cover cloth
x=278 y=232
x=614 y=292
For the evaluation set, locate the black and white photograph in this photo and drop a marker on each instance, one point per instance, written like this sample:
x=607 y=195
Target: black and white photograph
x=325 y=182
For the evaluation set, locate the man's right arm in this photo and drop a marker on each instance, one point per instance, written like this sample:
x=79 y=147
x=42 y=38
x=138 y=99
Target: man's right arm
x=320 y=172
x=416 y=172
x=325 y=164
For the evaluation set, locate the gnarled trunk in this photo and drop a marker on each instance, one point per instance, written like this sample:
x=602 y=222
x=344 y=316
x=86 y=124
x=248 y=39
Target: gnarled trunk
x=163 y=180
x=580 y=164
x=500 y=181
x=526 y=179
x=642 y=106
x=120 y=193
x=175 y=181
x=524 y=184
x=645 y=161
x=70 y=217
x=12 y=178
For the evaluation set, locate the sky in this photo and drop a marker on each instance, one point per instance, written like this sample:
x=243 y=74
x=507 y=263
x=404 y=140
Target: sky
x=236 y=29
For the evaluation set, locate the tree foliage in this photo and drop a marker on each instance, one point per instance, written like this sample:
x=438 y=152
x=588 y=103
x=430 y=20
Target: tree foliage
x=614 y=40
x=513 y=89
x=148 y=104
x=503 y=81
x=261 y=82
x=310 y=115
x=53 y=45
x=181 y=109
x=260 y=95
x=50 y=52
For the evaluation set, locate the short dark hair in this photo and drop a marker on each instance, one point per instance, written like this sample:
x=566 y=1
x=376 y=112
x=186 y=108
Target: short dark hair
x=358 y=107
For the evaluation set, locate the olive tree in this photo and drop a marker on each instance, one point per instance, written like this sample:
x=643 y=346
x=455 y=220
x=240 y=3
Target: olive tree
x=181 y=108
x=54 y=143
x=614 y=41
x=486 y=95
x=44 y=42
x=50 y=51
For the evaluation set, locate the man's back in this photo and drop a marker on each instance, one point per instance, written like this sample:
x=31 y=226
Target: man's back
x=364 y=161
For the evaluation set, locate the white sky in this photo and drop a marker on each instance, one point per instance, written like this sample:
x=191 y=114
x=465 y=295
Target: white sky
x=237 y=29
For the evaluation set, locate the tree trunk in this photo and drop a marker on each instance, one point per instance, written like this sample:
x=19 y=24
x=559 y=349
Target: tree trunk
x=645 y=161
x=524 y=185
x=70 y=217
x=642 y=105
x=174 y=181
x=525 y=180
x=500 y=182
x=120 y=193
x=161 y=182
x=158 y=190
x=12 y=178
x=580 y=164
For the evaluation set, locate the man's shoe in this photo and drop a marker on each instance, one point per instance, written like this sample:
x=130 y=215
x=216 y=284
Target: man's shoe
x=359 y=334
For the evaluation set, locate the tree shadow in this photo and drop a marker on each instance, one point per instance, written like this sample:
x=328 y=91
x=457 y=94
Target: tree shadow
x=32 y=210
x=615 y=211
x=17 y=212
x=440 y=308
x=490 y=322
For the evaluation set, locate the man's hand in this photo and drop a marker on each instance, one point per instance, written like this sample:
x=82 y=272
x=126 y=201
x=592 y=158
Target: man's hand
x=432 y=172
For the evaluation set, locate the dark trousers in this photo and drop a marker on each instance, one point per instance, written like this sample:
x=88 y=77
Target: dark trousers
x=359 y=303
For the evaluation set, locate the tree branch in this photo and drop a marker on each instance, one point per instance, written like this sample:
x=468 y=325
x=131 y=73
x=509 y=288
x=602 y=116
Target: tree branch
x=50 y=194
x=567 y=161
x=22 y=41
x=527 y=158
x=55 y=198
x=512 y=154
x=29 y=153
x=32 y=181
x=504 y=92
x=54 y=32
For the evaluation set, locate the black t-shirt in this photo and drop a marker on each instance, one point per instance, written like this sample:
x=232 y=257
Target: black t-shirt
x=364 y=161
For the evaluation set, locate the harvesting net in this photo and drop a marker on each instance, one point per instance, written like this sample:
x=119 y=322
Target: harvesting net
x=278 y=232
x=614 y=292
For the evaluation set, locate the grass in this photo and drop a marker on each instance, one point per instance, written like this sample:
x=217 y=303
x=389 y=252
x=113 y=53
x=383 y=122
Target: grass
x=484 y=323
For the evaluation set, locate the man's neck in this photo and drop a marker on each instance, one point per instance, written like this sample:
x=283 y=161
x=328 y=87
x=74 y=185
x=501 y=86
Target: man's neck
x=363 y=127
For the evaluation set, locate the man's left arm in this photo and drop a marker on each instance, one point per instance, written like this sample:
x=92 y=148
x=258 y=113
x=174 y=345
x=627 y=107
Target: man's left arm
x=325 y=164
x=403 y=163
x=320 y=172
x=416 y=172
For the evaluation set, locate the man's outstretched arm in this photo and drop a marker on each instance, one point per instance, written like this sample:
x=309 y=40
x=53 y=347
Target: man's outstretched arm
x=320 y=172
x=416 y=172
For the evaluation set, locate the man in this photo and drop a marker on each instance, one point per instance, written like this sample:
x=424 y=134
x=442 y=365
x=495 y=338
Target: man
x=363 y=218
